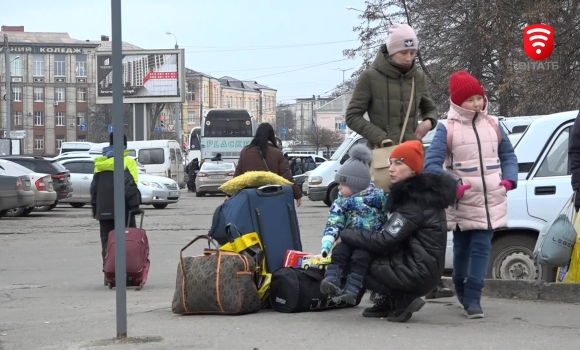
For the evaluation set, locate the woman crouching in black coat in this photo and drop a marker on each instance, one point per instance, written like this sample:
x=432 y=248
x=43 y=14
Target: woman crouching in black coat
x=409 y=251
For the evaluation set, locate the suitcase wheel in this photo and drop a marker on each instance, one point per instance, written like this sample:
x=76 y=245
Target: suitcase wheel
x=111 y=285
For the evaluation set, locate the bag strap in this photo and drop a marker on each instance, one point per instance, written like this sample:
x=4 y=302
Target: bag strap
x=450 y=126
x=317 y=276
x=263 y=159
x=495 y=127
x=404 y=129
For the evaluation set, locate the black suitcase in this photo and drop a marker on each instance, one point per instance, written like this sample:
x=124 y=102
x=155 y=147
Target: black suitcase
x=269 y=211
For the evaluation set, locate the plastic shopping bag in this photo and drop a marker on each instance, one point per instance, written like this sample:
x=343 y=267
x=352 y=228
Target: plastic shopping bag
x=557 y=240
x=570 y=273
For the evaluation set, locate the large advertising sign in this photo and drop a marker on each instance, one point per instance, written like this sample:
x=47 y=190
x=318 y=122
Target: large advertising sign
x=149 y=76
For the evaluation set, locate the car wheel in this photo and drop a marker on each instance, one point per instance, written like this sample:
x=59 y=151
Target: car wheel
x=3 y=213
x=332 y=195
x=199 y=194
x=46 y=207
x=15 y=212
x=77 y=205
x=27 y=211
x=512 y=258
x=159 y=206
x=327 y=202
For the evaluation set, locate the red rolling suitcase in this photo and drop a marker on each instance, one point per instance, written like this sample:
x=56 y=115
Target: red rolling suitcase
x=137 y=255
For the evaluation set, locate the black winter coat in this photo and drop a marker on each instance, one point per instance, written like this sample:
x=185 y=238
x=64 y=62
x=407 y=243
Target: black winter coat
x=410 y=248
x=102 y=195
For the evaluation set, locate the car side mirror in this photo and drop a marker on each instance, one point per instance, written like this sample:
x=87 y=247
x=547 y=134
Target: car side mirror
x=344 y=159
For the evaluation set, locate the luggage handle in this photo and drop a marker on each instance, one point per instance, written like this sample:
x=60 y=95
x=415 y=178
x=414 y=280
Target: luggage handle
x=142 y=216
x=269 y=190
x=207 y=238
x=229 y=234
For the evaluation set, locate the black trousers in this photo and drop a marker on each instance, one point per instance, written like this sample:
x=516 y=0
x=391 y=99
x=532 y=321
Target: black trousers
x=358 y=260
x=107 y=226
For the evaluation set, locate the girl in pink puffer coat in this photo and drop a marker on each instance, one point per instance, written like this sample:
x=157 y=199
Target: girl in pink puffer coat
x=475 y=150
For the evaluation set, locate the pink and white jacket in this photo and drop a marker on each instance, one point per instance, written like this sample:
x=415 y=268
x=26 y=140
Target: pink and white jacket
x=477 y=158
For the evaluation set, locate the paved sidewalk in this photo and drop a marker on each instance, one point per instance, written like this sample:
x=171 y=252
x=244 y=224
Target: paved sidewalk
x=52 y=298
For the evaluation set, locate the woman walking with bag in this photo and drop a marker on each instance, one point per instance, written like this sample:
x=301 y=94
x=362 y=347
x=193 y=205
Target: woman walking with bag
x=263 y=154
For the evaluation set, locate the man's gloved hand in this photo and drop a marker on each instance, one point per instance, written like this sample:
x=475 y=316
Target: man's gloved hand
x=326 y=246
x=461 y=190
x=577 y=200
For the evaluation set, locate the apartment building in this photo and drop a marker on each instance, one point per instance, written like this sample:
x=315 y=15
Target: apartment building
x=202 y=93
x=52 y=88
x=259 y=99
x=306 y=113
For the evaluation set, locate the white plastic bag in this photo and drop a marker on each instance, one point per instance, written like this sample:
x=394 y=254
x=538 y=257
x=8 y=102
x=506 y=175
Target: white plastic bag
x=556 y=240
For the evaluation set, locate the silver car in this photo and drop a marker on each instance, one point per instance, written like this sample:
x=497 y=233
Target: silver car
x=41 y=185
x=154 y=190
x=211 y=176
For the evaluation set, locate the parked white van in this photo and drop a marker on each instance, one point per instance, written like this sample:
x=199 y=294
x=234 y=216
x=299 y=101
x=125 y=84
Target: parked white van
x=76 y=147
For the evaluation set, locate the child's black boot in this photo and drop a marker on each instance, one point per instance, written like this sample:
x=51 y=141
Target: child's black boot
x=351 y=291
x=330 y=285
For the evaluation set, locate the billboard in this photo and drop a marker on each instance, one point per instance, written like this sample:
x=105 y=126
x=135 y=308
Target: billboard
x=149 y=76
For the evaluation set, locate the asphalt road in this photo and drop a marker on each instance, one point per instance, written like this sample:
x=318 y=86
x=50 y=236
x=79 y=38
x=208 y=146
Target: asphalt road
x=52 y=297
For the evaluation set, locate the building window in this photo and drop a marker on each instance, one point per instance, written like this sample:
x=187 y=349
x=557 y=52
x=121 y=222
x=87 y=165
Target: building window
x=190 y=91
x=59 y=95
x=59 y=119
x=60 y=65
x=38 y=65
x=215 y=96
x=17 y=118
x=16 y=65
x=82 y=95
x=38 y=94
x=191 y=118
x=38 y=142
x=81 y=118
x=59 y=140
x=17 y=94
x=38 y=119
x=81 y=68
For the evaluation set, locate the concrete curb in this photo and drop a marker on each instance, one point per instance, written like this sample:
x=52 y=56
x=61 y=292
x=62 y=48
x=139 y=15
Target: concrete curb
x=528 y=290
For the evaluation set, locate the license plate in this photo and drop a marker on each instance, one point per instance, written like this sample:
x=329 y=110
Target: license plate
x=217 y=176
x=174 y=194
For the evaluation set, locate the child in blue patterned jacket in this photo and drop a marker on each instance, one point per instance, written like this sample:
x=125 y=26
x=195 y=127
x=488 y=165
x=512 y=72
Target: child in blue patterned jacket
x=359 y=205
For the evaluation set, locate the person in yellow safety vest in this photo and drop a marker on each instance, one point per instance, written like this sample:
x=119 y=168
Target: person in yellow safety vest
x=102 y=189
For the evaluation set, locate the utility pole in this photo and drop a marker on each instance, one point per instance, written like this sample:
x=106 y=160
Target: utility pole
x=302 y=122
x=8 y=95
x=118 y=180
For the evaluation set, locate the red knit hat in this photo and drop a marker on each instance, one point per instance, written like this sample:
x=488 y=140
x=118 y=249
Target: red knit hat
x=410 y=153
x=462 y=86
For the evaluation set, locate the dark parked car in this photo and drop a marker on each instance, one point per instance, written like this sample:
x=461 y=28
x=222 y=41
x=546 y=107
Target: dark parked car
x=15 y=192
x=59 y=174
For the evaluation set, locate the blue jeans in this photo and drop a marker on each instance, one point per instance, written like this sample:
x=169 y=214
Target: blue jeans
x=471 y=250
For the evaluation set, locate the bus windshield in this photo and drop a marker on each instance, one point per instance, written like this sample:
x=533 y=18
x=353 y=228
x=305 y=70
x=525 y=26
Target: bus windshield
x=228 y=123
x=194 y=139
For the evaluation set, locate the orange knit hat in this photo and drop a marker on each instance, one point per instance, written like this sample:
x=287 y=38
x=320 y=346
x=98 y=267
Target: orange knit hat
x=410 y=153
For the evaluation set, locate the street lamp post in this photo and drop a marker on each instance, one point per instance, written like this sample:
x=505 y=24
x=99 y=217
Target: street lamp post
x=8 y=94
x=176 y=108
x=344 y=91
x=367 y=48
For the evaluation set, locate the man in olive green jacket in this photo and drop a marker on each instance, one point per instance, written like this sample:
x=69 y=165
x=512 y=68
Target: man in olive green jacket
x=384 y=91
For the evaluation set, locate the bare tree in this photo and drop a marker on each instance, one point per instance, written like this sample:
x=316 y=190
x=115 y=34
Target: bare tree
x=285 y=118
x=323 y=137
x=154 y=111
x=485 y=38
x=101 y=116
